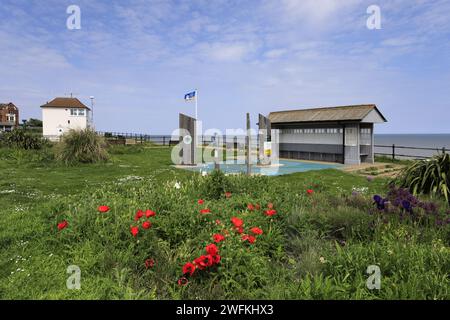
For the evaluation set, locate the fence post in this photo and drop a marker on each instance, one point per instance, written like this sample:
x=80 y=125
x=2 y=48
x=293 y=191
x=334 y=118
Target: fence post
x=444 y=150
x=393 y=152
x=164 y=140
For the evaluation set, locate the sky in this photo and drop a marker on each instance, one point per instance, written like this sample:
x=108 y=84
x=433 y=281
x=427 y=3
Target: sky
x=138 y=58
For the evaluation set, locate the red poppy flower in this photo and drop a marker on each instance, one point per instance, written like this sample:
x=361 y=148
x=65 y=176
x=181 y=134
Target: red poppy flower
x=218 y=238
x=201 y=201
x=63 y=224
x=239 y=230
x=146 y=225
x=149 y=263
x=103 y=209
x=216 y=259
x=270 y=205
x=212 y=249
x=209 y=261
x=227 y=194
x=134 y=231
x=149 y=213
x=183 y=281
x=139 y=214
x=270 y=212
x=250 y=239
x=256 y=230
x=205 y=211
x=189 y=268
x=201 y=262
x=309 y=191
x=250 y=207
x=237 y=222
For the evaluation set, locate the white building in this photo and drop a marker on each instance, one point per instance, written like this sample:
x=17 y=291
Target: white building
x=62 y=114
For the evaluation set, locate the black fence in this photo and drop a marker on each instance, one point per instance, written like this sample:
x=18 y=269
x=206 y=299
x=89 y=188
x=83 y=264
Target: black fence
x=396 y=152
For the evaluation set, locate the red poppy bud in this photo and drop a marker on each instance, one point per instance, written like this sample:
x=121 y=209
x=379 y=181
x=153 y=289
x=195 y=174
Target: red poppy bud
x=256 y=231
x=146 y=225
x=150 y=213
x=134 y=231
x=63 y=224
x=139 y=214
x=205 y=211
x=149 y=263
x=201 y=201
x=103 y=209
x=212 y=249
x=218 y=238
x=228 y=194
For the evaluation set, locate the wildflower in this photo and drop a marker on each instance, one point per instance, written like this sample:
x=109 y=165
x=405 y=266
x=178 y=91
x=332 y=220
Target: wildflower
x=189 y=268
x=239 y=230
x=218 y=222
x=216 y=259
x=149 y=263
x=322 y=260
x=227 y=195
x=177 y=185
x=407 y=205
x=256 y=230
x=203 y=261
x=218 y=238
x=370 y=178
x=134 y=231
x=146 y=225
x=237 y=222
x=250 y=239
x=250 y=207
x=205 y=211
x=149 y=213
x=139 y=215
x=212 y=249
x=270 y=212
x=201 y=201
x=183 y=281
x=309 y=191
x=103 y=209
x=63 y=224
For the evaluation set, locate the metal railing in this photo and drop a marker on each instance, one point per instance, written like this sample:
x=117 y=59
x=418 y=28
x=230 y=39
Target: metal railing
x=397 y=152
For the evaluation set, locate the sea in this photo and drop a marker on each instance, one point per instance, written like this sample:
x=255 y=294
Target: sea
x=433 y=144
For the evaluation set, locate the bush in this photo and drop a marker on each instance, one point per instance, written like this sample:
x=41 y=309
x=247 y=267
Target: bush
x=81 y=146
x=215 y=185
x=431 y=176
x=22 y=140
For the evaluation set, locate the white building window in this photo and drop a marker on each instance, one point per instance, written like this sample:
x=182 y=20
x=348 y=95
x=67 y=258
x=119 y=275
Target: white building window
x=77 y=112
x=11 y=118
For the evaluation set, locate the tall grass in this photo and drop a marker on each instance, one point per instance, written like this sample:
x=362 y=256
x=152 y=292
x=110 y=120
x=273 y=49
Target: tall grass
x=81 y=146
x=431 y=176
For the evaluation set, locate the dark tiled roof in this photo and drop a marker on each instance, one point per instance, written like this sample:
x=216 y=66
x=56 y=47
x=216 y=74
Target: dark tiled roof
x=323 y=114
x=65 y=103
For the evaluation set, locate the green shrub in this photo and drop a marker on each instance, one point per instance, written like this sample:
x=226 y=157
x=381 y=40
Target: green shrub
x=215 y=185
x=21 y=139
x=81 y=146
x=431 y=176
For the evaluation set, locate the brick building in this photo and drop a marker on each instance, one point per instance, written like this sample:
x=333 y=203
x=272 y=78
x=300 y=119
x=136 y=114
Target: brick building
x=9 y=116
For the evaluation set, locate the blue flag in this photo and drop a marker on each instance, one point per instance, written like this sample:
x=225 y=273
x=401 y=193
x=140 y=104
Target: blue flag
x=190 y=96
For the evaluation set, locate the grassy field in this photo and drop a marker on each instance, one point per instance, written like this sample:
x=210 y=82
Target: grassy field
x=316 y=245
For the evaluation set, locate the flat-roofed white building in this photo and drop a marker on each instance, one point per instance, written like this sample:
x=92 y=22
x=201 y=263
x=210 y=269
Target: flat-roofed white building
x=63 y=114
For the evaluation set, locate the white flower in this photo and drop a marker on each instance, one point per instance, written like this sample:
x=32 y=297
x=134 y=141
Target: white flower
x=322 y=260
x=177 y=185
x=204 y=173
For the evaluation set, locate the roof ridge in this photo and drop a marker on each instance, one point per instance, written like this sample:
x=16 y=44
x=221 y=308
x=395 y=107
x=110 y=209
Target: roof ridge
x=322 y=108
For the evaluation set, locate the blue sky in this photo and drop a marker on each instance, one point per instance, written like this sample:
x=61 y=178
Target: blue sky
x=138 y=58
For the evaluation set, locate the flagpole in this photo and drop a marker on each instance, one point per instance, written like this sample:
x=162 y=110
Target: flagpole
x=196 y=104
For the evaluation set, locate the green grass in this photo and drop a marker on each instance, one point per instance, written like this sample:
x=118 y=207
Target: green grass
x=316 y=246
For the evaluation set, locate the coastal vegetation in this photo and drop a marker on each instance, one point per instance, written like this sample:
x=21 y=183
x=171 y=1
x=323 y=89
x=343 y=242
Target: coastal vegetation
x=138 y=228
